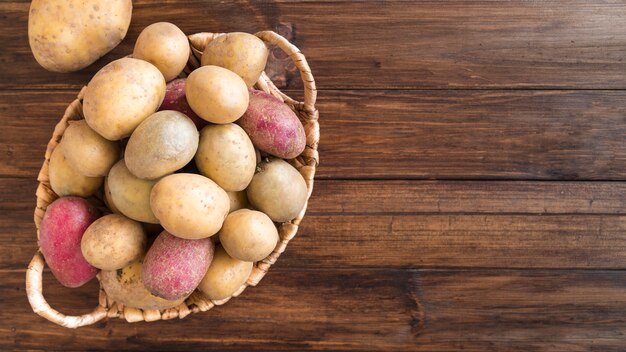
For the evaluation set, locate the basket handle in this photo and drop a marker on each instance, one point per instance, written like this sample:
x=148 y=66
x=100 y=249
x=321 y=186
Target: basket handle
x=310 y=92
x=41 y=307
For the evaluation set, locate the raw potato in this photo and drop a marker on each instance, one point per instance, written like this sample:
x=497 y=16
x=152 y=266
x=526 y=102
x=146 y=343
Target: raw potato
x=238 y=200
x=125 y=286
x=88 y=152
x=165 y=46
x=272 y=126
x=189 y=206
x=65 y=181
x=130 y=194
x=216 y=94
x=113 y=241
x=165 y=142
x=174 y=266
x=121 y=95
x=175 y=99
x=60 y=233
x=226 y=155
x=242 y=53
x=225 y=275
x=278 y=190
x=248 y=235
x=68 y=35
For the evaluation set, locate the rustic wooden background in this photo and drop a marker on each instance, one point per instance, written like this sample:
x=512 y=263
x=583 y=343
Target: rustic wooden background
x=471 y=194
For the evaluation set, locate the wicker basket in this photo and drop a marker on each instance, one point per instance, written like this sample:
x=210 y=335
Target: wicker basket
x=305 y=163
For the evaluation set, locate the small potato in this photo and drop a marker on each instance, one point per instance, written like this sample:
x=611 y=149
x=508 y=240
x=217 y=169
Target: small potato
x=121 y=95
x=226 y=155
x=88 y=152
x=175 y=99
x=68 y=35
x=189 y=206
x=225 y=275
x=65 y=181
x=130 y=194
x=272 y=126
x=174 y=266
x=278 y=190
x=60 y=233
x=113 y=241
x=248 y=235
x=216 y=94
x=238 y=200
x=165 y=46
x=242 y=53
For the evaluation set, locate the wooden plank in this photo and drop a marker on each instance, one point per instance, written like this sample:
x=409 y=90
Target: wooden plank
x=390 y=44
x=564 y=135
x=390 y=310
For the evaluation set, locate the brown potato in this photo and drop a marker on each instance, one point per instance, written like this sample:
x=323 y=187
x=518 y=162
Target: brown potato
x=238 y=200
x=165 y=46
x=130 y=194
x=88 y=152
x=225 y=275
x=65 y=181
x=248 y=235
x=165 y=142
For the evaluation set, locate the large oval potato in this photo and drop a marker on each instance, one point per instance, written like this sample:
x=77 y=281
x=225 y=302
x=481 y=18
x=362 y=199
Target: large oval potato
x=189 y=206
x=68 y=35
x=65 y=181
x=165 y=142
x=173 y=266
x=130 y=194
x=225 y=275
x=242 y=53
x=88 y=152
x=121 y=95
x=113 y=241
x=226 y=155
x=248 y=235
x=125 y=286
x=216 y=94
x=165 y=46
x=278 y=190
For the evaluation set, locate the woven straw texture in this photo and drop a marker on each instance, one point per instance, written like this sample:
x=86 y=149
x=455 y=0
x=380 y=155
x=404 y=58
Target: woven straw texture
x=305 y=163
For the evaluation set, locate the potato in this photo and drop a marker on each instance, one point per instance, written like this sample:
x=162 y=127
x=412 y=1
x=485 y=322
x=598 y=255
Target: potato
x=121 y=95
x=278 y=190
x=175 y=99
x=189 y=206
x=60 y=233
x=225 y=275
x=162 y=144
x=125 y=286
x=113 y=241
x=226 y=155
x=216 y=94
x=242 y=53
x=248 y=235
x=65 y=181
x=272 y=126
x=238 y=200
x=130 y=194
x=165 y=46
x=174 y=266
x=87 y=152
x=68 y=35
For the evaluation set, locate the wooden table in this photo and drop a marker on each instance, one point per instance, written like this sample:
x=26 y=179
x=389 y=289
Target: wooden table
x=471 y=194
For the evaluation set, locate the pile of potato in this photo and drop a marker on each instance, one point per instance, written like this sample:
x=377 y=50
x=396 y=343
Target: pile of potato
x=196 y=162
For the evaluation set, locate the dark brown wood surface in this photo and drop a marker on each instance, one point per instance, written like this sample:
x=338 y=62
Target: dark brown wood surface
x=471 y=194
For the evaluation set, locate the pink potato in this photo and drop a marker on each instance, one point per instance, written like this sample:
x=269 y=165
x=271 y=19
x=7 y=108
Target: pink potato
x=60 y=234
x=175 y=99
x=272 y=126
x=174 y=267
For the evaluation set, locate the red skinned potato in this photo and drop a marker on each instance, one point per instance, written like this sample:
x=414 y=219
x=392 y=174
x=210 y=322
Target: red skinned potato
x=176 y=100
x=174 y=267
x=272 y=126
x=60 y=234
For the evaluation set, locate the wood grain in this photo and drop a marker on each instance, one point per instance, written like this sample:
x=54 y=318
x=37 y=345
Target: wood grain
x=459 y=44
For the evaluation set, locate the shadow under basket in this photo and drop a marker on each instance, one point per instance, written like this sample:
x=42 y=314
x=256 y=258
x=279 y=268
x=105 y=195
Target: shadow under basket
x=197 y=302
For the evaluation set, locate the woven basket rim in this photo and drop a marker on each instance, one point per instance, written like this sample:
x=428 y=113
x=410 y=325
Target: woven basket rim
x=306 y=164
